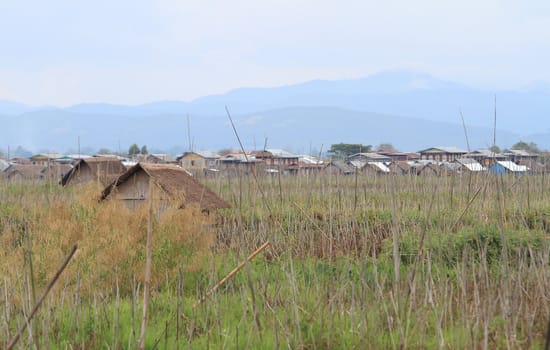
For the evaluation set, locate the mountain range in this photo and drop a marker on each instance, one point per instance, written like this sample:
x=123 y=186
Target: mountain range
x=410 y=110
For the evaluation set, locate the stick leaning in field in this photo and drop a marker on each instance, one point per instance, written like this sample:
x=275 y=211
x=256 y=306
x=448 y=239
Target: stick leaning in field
x=148 y=259
x=232 y=273
x=15 y=339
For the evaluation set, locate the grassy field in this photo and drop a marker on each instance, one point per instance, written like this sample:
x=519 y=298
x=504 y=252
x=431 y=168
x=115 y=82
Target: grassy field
x=354 y=263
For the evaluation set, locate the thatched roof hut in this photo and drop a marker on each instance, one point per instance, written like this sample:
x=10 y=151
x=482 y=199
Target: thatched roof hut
x=56 y=171
x=400 y=168
x=337 y=167
x=101 y=169
x=428 y=170
x=534 y=166
x=24 y=172
x=174 y=183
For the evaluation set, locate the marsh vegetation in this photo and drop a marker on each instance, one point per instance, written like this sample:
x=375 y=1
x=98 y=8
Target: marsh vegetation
x=354 y=262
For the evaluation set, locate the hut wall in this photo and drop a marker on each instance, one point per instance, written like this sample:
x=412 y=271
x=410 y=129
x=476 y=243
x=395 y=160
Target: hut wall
x=83 y=175
x=134 y=192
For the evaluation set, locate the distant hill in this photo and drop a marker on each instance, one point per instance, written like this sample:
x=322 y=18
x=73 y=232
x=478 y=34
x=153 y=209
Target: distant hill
x=13 y=108
x=422 y=111
x=295 y=128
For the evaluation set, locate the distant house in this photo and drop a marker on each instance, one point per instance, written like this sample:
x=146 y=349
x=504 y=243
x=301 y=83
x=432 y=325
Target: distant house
x=337 y=167
x=45 y=158
x=173 y=186
x=3 y=164
x=519 y=155
x=20 y=160
x=73 y=158
x=238 y=163
x=309 y=165
x=427 y=169
x=199 y=161
x=369 y=163
x=102 y=170
x=533 y=166
x=400 y=168
x=56 y=171
x=400 y=156
x=279 y=159
x=507 y=167
x=375 y=169
x=442 y=154
x=39 y=159
x=485 y=157
x=17 y=172
x=156 y=158
x=369 y=157
x=304 y=159
x=448 y=168
x=64 y=160
x=469 y=165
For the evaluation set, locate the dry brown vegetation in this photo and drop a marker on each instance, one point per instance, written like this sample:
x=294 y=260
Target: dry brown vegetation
x=473 y=264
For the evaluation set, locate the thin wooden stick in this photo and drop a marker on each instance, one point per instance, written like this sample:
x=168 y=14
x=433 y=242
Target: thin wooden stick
x=15 y=339
x=147 y=269
x=232 y=273
x=547 y=345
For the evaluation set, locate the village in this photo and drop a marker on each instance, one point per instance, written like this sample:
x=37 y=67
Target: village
x=127 y=177
x=67 y=169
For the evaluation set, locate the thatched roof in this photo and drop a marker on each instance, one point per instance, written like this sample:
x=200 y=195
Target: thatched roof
x=400 y=167
x=24 y=171
x=533 y=165
x=341 y=166
x=56 y=171
x=107 y=169
x=175 y=182
x=428 y=169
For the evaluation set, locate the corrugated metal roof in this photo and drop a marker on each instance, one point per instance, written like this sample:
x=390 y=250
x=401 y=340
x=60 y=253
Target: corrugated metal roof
x=78 y=156
x=485 y=153
x=3 y=165
x=370 y=156
x=208 y=154
x=445 y=149
x=380 y=166
x=309 y=159
x=238 y=157
x=357 y=163
x=470 y=164
x=521 y=152
x=513 y=167
x=344 y=167
x=281 y=153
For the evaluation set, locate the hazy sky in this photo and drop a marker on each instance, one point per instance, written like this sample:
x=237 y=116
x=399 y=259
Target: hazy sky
x=63 y=52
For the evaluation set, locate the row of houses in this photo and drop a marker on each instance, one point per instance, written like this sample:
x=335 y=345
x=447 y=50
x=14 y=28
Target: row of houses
x=434 y=161
x=439 y=161
x=270 y=161
x=424 y=168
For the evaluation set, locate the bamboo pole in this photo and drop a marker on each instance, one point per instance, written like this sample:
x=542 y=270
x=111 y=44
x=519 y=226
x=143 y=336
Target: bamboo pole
x=232 y=273
x=15 y=339
x=148 y=259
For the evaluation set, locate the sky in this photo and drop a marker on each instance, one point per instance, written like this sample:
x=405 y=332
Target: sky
x=64 y=52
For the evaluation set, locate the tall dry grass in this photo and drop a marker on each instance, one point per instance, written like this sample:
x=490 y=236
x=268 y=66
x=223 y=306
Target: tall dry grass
x=111 y=238
x=327 y=281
